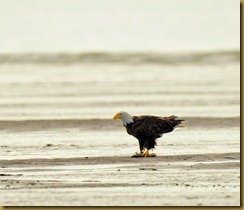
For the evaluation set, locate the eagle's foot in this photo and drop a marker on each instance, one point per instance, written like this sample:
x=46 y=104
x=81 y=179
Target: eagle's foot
x=146 y=154
x=143 y=154
x=137 y=154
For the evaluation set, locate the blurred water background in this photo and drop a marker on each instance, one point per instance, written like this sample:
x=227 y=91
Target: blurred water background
x=90 y=59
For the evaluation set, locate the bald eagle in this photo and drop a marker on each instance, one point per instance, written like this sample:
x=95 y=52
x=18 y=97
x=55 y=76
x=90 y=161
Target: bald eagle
x=147 y=129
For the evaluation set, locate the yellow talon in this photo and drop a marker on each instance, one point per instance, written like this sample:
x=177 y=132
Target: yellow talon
x=145 y=153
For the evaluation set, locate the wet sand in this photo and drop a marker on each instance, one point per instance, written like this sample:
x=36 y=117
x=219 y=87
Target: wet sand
x=194 y=177
x=207 y=179
x=66 y=172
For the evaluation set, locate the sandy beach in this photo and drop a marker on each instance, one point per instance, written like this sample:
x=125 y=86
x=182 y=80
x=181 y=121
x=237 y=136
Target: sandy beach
x=49 y=167
x=207 y=179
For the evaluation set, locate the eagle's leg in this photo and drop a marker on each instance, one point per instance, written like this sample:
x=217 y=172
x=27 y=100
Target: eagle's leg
x=141 y=144
x=145 y=153
x=139 y=154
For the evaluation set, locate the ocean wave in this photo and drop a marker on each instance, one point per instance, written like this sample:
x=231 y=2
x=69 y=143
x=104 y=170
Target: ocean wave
x=130 y=58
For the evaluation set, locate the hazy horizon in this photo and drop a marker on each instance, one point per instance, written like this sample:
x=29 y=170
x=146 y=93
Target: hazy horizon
x=119 y=26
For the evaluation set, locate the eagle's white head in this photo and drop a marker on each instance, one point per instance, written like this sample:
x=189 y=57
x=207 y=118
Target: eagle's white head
x=125 y=117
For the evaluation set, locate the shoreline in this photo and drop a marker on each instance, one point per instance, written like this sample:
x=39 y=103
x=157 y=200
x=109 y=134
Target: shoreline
x=105 y=124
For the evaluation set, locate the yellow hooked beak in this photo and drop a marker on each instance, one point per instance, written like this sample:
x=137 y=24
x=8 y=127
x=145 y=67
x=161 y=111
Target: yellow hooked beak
x=117 y=116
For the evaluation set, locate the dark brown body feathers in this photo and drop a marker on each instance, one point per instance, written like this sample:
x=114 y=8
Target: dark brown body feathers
x=148 y=128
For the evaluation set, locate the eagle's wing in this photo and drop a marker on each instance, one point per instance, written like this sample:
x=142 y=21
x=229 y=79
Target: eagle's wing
x=153 y=126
